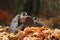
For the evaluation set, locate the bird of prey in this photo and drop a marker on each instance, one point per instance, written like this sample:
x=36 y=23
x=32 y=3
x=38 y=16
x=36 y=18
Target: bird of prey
x=24 y=19
x=15 y=22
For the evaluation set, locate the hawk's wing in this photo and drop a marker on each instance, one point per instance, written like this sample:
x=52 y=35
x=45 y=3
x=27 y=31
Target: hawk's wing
x=14 y=24
x=39 y=22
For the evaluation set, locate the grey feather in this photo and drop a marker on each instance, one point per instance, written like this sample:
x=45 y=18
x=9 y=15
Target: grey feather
x=14 y=24
x=38 y=22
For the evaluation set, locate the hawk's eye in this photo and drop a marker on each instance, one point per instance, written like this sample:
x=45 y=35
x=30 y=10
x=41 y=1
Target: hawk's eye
x=35 y=35
x=53 y=37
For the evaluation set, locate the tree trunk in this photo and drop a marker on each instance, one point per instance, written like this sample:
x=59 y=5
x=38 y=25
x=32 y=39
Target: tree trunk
x=45 y=7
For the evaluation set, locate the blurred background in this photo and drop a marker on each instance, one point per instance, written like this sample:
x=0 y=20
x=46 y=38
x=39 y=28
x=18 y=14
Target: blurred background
x=47 y=11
